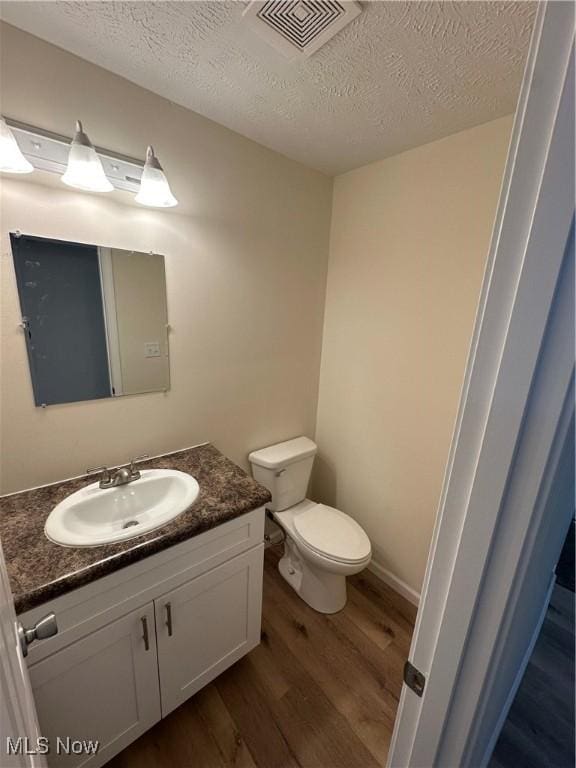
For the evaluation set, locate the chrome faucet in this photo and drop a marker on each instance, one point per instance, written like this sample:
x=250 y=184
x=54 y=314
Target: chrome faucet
x=120 y=476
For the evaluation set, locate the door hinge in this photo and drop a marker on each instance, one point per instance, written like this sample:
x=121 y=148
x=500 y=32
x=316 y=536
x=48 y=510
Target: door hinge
x=414 y=679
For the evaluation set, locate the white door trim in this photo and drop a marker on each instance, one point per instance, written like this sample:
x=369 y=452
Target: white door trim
x=488 y=746
x=526 y=255
x=536 y=510
x=17 y=709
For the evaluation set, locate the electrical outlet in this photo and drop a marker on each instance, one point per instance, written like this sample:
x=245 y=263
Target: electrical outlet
x=151 y=349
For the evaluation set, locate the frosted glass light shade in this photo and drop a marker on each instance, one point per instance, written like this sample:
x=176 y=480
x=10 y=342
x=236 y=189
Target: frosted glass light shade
x=84 y=170
x=11 y=158
x=154 y=188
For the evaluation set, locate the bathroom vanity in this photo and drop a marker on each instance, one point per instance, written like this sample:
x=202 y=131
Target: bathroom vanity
x=144 y=624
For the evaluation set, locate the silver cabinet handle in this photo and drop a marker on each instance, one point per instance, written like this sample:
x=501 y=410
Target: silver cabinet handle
x=145 y=635
x=169 y=618
x=45 y=627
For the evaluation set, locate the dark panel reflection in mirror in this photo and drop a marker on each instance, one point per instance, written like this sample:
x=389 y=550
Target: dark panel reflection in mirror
x=94 y=318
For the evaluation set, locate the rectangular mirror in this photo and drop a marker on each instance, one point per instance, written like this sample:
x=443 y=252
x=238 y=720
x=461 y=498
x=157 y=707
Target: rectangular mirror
x=95 y=319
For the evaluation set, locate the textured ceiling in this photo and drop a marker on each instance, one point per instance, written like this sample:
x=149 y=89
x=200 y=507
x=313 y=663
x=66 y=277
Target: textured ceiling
x=401 y=74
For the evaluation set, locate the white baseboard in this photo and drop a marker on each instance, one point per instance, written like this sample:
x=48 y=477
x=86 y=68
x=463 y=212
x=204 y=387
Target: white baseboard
x=395 y=583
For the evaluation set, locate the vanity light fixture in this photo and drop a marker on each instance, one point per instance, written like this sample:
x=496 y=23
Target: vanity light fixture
x=84 y=170
x=24 y=148
x=11 y=158
x=154 y=188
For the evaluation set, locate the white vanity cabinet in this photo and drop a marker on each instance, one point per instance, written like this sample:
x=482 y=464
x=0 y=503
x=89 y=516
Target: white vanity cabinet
x=104 y=686
x=133 y=645
x=207 y=624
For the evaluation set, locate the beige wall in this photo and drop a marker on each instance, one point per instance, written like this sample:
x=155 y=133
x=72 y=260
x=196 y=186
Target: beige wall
x=246 y=260
x=246 y=256
x=141 y=318
x=408 y=244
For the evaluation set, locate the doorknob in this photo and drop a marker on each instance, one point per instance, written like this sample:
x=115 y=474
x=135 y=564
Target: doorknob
x=45 y=627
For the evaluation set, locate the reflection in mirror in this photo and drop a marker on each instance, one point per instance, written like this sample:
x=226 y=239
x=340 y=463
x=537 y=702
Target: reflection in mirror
x=95 y=319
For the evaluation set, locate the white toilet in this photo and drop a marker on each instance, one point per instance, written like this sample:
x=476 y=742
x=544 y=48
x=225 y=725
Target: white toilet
x=322 y=544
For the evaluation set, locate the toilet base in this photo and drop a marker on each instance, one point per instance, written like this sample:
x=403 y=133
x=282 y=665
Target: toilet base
x=322 y=590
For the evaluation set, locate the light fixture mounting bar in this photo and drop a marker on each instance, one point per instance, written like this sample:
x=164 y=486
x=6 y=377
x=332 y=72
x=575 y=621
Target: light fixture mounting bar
x=48 y=151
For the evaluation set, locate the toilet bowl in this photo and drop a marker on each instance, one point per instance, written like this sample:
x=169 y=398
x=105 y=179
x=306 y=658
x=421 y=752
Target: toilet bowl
x=322 y=545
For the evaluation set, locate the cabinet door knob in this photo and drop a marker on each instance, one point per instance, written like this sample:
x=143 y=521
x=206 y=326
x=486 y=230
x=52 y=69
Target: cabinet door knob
x=46 y=627
x=145 y=635
x=169 y=618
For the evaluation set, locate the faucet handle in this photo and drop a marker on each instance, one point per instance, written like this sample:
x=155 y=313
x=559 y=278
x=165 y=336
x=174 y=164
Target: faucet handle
x=105 y=478
x=134 y=473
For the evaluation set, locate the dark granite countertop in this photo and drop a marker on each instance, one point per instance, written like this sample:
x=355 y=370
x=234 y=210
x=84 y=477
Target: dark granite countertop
x=40 y=570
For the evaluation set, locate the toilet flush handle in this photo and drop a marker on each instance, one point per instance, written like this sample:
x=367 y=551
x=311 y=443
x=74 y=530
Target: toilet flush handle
x=280 y=472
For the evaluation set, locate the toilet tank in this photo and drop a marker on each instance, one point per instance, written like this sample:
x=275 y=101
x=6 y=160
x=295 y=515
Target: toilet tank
x=285 y=470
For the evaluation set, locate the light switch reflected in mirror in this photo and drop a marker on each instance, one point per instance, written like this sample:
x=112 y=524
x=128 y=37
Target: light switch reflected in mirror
x=95 y=319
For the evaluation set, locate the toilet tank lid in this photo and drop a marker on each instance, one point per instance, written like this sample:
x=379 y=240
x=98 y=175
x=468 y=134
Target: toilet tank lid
x=281 y=454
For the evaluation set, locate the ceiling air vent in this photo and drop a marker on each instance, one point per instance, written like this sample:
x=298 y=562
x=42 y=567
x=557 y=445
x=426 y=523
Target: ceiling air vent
x=298 y=28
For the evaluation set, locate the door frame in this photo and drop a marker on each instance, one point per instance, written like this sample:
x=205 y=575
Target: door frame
x=507 y=426
x=16 y=699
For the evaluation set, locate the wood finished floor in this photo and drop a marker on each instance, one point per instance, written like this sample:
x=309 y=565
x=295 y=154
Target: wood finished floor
x=539 y=730
x=318 y=692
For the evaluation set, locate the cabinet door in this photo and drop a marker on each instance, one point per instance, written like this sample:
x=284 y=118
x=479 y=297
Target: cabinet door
x=207 y=624
x=103 y=687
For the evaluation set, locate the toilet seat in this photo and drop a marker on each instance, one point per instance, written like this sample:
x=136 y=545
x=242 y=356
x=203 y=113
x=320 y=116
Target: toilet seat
x=332 y=534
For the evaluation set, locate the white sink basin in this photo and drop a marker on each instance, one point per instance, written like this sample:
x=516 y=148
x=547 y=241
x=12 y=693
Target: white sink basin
x=93 y=516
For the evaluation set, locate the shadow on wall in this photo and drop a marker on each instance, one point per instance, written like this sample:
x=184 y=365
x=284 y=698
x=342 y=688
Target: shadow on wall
x=323 y=487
